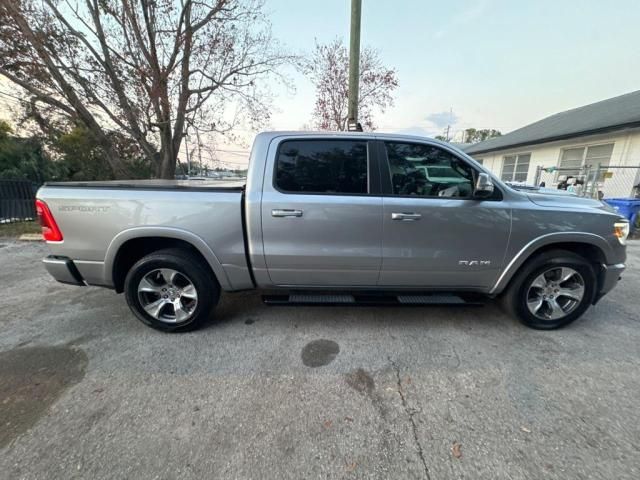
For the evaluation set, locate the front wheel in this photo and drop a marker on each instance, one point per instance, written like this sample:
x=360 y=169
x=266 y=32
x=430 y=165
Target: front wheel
x=170 y=290
x=552 y=290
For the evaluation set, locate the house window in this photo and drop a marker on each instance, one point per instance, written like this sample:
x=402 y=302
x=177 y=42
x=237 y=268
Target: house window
x=574 y=159
x=515 y=168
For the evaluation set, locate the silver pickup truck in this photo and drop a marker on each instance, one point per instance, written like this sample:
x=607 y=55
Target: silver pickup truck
x=342 y=218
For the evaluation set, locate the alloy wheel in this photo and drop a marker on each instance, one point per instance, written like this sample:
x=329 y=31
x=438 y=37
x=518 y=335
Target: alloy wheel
x=555 y=293
x=168 y=295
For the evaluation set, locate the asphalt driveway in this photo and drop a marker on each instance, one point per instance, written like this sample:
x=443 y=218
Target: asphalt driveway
x=86 y=391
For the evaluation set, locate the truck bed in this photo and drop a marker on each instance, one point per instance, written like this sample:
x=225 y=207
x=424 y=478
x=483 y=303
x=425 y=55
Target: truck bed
x=98 y=218
x=157 y=184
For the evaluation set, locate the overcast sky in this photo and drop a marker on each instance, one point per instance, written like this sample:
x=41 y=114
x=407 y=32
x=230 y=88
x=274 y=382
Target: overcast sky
x=495 y=63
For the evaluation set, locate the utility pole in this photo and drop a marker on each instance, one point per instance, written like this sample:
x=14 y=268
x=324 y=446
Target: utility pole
x=354 y=66
x=449 y=125
x=186 y=144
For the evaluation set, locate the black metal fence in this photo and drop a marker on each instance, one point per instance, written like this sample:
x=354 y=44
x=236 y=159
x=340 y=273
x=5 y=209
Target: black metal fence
x=17 y=201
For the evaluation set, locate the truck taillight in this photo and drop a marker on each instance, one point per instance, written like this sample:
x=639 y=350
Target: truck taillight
x=50 y=230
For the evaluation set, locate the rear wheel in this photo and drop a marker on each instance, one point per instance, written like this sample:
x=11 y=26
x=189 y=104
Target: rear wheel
x=551 y=290
x=170 y=290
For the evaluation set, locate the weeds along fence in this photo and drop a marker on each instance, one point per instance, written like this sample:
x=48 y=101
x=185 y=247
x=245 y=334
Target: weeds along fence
x=17 y=201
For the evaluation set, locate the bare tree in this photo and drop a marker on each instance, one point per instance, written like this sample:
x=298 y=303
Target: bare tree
x=146 y=68
x=328 y=68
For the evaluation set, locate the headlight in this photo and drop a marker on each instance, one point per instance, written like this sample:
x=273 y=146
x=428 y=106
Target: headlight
x=621 y=230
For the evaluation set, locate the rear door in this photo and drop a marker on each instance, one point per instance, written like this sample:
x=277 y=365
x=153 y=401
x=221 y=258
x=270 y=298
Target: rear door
x=435 y=233
x=322 y=212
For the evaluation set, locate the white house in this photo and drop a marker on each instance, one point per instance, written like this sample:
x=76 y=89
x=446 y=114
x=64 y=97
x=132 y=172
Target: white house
x=577 y=141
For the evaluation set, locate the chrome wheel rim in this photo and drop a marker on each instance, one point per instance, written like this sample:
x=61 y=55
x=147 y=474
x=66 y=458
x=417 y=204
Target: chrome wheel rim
x=168 y=295
x=555 y=293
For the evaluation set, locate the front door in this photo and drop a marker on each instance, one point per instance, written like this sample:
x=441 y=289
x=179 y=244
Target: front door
x=322 y=214
x=436 y=234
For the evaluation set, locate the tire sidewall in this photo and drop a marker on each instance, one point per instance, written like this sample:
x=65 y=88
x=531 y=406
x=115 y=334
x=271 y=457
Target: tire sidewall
x=539 y=267
x=207 y=293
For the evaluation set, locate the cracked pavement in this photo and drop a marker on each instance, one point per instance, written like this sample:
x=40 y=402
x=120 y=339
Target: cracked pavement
x=86 y=391
x=410 y=413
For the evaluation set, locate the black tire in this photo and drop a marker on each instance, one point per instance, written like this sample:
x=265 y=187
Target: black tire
x=514 y=299
x=190 y=267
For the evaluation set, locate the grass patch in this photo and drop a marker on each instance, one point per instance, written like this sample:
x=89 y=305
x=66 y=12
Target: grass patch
x=18 y=228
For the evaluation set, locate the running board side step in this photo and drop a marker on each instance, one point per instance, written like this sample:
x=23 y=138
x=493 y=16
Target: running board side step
x=404 y=299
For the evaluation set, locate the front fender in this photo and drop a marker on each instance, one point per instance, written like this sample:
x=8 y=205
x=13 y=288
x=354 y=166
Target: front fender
x=544 y=241
x=165 y=232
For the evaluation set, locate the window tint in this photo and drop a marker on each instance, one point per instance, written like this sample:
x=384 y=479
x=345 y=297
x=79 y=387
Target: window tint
x=427 y=171
x=322 y=166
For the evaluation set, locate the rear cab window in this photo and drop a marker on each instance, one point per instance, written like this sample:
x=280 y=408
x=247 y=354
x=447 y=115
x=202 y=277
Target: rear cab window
x=322 y=166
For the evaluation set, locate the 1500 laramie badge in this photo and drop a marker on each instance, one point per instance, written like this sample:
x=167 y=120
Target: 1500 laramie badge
x=336 y=218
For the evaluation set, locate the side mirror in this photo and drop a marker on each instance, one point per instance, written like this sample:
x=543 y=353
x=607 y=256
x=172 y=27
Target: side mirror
x=484 y=186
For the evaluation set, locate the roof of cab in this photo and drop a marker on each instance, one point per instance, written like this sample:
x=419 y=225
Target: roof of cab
x=390 y=136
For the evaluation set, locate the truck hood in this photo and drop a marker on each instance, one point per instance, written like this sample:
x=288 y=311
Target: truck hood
x=565 y=200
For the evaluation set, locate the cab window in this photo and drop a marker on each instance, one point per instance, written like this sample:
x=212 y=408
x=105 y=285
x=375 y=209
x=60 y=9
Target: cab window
x=427 y=171
x=322 y=167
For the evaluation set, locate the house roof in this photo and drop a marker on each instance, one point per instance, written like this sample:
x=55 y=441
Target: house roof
x=600 y=117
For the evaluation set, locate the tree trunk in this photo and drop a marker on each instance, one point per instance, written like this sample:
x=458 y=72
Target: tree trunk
x=119 y=168
x=166 y=164
x=166 y=169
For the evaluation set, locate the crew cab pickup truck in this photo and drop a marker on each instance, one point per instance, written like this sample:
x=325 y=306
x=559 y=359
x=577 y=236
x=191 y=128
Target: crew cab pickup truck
x=335 y=218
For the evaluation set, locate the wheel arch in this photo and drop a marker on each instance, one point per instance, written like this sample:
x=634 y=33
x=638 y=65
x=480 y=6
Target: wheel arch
x=130 y=245
x=590 y=246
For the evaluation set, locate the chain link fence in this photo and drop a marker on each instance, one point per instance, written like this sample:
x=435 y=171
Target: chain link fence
x=17 y=201
x=600 y=181
x=618 y=181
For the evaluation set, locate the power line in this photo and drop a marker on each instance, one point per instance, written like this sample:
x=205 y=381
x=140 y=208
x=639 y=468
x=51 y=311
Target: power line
x=13 y=98
x=16 y=99
x=212 y=158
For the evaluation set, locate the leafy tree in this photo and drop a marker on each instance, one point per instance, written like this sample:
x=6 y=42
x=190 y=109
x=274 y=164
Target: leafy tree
x=471 y=135
x=72 y=155
x=146 y=69
x=5 y=130
x=24 y=158
x=82 y=157
x=328 y=68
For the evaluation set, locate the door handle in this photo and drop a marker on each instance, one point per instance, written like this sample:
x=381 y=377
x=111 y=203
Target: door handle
x=406 y=217
x=286 y=213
